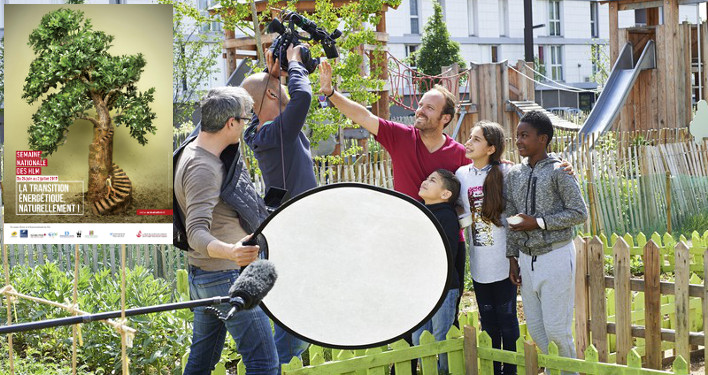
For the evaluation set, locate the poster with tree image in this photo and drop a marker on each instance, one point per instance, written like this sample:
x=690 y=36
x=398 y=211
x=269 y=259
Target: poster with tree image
x=88 y=136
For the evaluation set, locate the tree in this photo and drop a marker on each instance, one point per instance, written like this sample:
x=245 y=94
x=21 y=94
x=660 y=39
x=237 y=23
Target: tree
x=436 y=49
x=74 y=75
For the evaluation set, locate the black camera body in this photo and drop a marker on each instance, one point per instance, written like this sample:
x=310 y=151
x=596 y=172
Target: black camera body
x=288 y=36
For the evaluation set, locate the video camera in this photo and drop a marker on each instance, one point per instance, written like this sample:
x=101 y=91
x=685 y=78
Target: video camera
x=289 y=36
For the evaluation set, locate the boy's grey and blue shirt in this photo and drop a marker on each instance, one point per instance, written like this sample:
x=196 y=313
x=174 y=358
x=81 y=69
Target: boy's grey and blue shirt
x=544 y=191
x=295 y=156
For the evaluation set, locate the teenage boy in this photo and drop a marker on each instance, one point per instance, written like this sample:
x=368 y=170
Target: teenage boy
x=439 y=192
x=547 y=204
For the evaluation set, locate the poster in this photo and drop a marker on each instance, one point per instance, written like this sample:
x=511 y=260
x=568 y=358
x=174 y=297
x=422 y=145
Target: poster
x=88 y=124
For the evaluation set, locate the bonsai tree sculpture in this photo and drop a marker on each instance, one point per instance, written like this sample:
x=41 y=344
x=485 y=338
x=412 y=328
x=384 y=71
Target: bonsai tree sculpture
x=84 y=82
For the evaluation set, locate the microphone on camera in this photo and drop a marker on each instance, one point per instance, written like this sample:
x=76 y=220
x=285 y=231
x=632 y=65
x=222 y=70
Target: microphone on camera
x=252 y=285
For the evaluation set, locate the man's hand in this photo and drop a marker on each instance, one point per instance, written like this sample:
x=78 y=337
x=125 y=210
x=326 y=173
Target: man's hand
x=514 y=271
x=294 y=53
x=527 y=223
x=325 y=78
x=273 y=65
x=242 y=254
x=567 y=167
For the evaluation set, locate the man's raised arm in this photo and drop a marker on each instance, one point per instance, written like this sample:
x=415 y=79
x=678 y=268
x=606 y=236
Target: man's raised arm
x=353 y=110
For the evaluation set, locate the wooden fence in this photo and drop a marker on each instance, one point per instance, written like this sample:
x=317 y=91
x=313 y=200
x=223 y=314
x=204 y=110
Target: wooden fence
x=653 y=332
x=470 y=353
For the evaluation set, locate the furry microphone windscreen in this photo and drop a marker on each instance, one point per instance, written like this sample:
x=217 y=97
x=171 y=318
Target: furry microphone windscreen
x=254 y=283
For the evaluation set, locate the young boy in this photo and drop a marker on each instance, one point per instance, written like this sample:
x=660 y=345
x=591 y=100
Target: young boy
x=439 y=192
x=546 y=203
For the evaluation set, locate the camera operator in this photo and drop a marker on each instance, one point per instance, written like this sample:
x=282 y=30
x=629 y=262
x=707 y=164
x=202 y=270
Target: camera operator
x=280 y=146
x=216 y=232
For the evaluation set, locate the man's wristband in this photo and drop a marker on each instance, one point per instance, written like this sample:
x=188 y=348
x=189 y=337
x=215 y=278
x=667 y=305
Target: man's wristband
x=330 y=94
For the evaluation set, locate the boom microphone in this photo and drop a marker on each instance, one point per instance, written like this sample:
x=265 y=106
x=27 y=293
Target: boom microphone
x=252 y=285
x=250 y=288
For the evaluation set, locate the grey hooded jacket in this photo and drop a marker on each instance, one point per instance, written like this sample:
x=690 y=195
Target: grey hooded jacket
x=544 y=191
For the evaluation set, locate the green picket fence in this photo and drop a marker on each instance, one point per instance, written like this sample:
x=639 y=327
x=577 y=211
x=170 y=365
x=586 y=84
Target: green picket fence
x=666 y=244
x=469 y=353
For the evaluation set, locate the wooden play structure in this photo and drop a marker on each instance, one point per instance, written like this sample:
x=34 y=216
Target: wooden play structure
x=661 y=97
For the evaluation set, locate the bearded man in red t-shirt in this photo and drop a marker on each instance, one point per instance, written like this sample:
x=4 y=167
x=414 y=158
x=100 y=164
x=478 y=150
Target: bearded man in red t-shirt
x=416 y=151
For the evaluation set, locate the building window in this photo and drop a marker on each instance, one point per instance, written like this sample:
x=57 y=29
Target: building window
x=495 y=54
x=555 y=65
x=554 y=18
x=594 y=21
x=415 y=29
x=204 y=6
x=472 y=17
x=503 y=17
x=410 y=50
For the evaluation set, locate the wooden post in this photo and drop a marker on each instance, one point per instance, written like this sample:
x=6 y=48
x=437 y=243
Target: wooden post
x=652 y=305
x=530 y=358
x=598 y=311
x=591 y=188
x=623 y=300
x=683 y=327
x=470 y=345
x=230 y=54
x=380 y=62
x=614 y=29
x=582 y=334
x=668 y=202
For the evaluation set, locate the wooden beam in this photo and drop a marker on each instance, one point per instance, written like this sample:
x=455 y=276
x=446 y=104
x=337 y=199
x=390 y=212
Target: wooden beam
x=470 y=350
x=614 y=30
x=666 y=288
x=695 y=338
x=245 y=42
x=639 y=4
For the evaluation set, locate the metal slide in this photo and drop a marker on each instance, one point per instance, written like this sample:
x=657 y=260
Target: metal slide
x=624 y=74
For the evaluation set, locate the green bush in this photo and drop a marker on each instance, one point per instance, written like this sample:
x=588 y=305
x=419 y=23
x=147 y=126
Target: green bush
x=159 y=342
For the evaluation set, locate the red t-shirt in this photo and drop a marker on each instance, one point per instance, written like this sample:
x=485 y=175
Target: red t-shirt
x=412 y=162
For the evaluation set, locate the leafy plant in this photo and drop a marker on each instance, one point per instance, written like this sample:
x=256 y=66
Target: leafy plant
x=160 y=340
